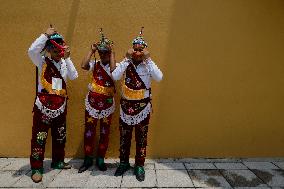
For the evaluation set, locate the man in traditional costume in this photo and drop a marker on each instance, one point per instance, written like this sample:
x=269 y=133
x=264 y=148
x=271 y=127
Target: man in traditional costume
x=99 y=102
x=136 y=71
x=52 y=58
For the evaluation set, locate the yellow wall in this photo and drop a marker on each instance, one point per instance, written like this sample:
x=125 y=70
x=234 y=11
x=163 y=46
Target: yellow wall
x=222 y=93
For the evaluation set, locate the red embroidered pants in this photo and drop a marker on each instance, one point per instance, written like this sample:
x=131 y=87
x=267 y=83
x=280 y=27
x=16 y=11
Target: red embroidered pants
x=41 y=125
x=141 y=130
x=90 y=133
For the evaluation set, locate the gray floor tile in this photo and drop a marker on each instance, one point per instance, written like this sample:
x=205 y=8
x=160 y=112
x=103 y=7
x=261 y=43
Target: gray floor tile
x=173 y=178
x=66 y=188
x=230 y=166
x=27 y=182
x=268 y=159
x=174 y=166
x=271 y=177
x=208 y=178
x=225 y=160
x=213 y=188
x=3 y=159
x=260 y=165
x=129 y=179
x=279 y=164
x=103 y=179
x=171 y=172
x=242 y=178
x=70 y=178
x=165 y=160
x=200 y=166
x=112 y=161
x=8 y=178
x=264 y=187
x=77 y=165
x=207 y=160
x=17 y=164
x=150 y=160
x=4 y=164
x=149 y=166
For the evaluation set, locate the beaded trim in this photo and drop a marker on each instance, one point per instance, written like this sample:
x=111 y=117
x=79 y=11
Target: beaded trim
x=49 y=112
x=135 y=119
x=97 y=113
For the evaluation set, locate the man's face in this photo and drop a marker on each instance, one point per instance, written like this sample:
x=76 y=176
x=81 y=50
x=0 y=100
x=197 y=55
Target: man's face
x=104 y=56
x=57 y=51
x=56 y=54
x=138 y=52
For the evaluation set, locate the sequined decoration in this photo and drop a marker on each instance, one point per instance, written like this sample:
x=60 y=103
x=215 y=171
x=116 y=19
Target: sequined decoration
x=36 y=153
x=138 y=83
x=100 y=77
x=103 y=131
x=109 y=100
x=41 y=136
x=107 y=84
x=45 y=119
x=62 y=134
x=108 y=91
x=100 y=104
x=92 y=100
x=90 y=120
x=88 y=149
x=131 y=93
x=89 y=134
x=142 y=105
x=105 y=120
x=143 y=134
x=128 y=80
x=130 y=110
x=143 y=152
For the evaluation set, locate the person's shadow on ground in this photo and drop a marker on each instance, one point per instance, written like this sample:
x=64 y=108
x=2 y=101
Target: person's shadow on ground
x=111 y=167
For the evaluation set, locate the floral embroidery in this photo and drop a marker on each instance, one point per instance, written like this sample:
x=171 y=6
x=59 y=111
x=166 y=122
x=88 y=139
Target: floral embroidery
x=105 y=120
x=37 y=152
x=62 y=134
x=41 y=136
x=89 y=134
x=90 y=120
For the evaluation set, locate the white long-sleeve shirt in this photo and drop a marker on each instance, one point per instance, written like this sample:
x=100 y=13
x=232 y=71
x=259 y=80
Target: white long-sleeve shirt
x=146 y=70
x=64 y=66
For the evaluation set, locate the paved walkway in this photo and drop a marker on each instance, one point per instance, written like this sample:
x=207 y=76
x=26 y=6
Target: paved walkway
x=160 y=173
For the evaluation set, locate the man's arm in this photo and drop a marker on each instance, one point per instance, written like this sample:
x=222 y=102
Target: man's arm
x=38 y=45
x=120 y=69
x=71 y=70
x=86 y=61
x=112 y=59
x=155 y=72
x=36 y=48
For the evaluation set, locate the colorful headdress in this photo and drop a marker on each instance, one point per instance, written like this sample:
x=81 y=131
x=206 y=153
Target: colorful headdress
x=104 y=43
x=56 y=36
x=139 y=39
